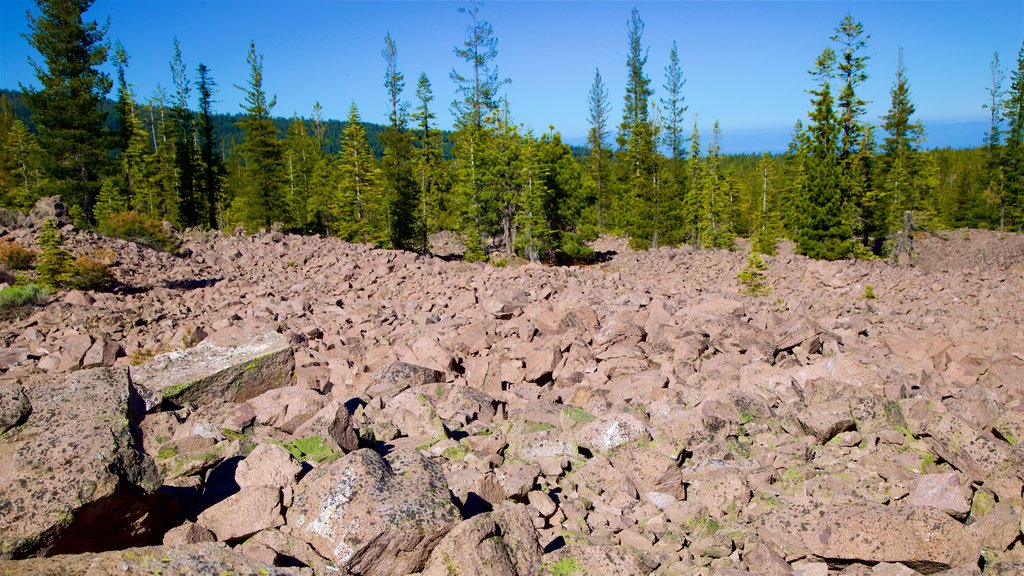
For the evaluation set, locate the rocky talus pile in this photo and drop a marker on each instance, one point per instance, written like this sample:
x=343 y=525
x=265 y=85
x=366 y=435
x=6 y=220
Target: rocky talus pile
x=276 y=404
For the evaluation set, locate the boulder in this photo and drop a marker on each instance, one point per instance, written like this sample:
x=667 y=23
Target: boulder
x=593 y=559
x=398 y=376
x=499 y=543
x=268 y=465
x=941 y=491
x=610 y=431
x=374 y=516
x=243 y=514
x=333 y=423
x=49 y=208
x=204 y=558
x=15 y=406
x=74 y=477
x=217 y=370
x=923 y=538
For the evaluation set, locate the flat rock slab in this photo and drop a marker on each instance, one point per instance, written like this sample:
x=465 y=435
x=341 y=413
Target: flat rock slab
x=373 y=516
x=204 y=558
x=219 y=369
x=923 y=538
x=72 y=476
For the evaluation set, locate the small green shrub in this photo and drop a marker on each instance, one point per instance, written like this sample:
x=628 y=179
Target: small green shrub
x=752 y=278
x=16 y=296
x=89 y=274
x=311 y=449
x=54 y=261
x=869 y=293
x=16 y=257
x=567 y=566
x=139 y=228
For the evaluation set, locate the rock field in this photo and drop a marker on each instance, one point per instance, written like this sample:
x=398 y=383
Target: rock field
x=276 y=404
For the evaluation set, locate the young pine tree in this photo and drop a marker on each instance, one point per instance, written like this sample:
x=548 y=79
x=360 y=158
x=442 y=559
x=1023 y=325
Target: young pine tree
x=66 y=108
x=901 y=159
x=1013 y=154
x=599 y=160
x=398 y=183
x=824 y=231
x=261 y=200
x=357 y=204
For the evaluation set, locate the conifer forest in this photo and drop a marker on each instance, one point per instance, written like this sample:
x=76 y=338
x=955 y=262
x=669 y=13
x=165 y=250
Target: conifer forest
x=847 y=185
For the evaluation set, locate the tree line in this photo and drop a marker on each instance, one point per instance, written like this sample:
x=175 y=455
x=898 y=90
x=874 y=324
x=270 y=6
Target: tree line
x=839 y=189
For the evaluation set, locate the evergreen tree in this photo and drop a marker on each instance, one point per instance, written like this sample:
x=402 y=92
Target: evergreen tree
x=399 y=189
x=636 y=139
x=429 y=163
x=853 y=129
x=475 y=114
x=210 y=181
x=673 y=104
x=159 y=198
x=600 y=156
x=190 y=203
x=300 y=158
x=357 y=204
x=766 y=226
x=502 y=161
x=323 y=185
x=22 y=173
x=824 y=231
x=1013 y=154
x=261 y=200
x=903 y=135
x=66 y=109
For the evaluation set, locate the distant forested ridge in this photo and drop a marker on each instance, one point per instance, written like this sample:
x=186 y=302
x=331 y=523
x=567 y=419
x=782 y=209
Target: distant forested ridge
x=847 y=186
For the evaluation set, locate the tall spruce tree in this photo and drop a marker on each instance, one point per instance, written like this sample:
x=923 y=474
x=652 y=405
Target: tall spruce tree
x=190 y=203
x=674 y=107
x=475 y=114
x=901 y=166
x=300 y=158
x=599 y=160
x=853 y=129
x=766 y=225
x=66 y=108
x=399 y=189
x=824 y=231
x=1013 y=154
x=357 y=208
x=261 y=200
x=636 y=139
x=210 y=181
x=22 y=162
x=430 y=165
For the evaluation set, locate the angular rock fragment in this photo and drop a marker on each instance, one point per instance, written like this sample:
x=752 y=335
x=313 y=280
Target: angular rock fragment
x=73 y=477
x=219 y=369
x=204 y=558
x=374 y=516
x=923 y=538
x=499 y=543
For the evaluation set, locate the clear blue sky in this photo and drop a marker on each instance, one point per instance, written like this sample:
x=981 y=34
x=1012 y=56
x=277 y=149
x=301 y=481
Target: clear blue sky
x=745 y=63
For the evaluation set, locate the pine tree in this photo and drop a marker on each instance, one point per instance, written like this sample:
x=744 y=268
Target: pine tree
x=824 y=231
x=210 y=181
x=502 y=162
x=323 y=183
x=397 y=179
x=300 y=158
x=429 y=163
x=54 y=263
x=767 y=226
x=599 y=160
x=899 y=147
x=261 y=201
x=66 y=109
x=1013 y=153
x=475 y=113
x=357 y=204
x=853 y=129
x=23 y=167
x=190 y=203
x=636 y=139
x=674 y=107
x=159 y=198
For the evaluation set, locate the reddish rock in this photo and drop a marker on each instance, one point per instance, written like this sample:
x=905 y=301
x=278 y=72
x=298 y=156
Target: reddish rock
x=243 y=514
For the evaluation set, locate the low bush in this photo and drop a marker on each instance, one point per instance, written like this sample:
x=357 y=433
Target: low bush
x=89 y=274
x=16 y=257
x=16 y=296
x=139 y=228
